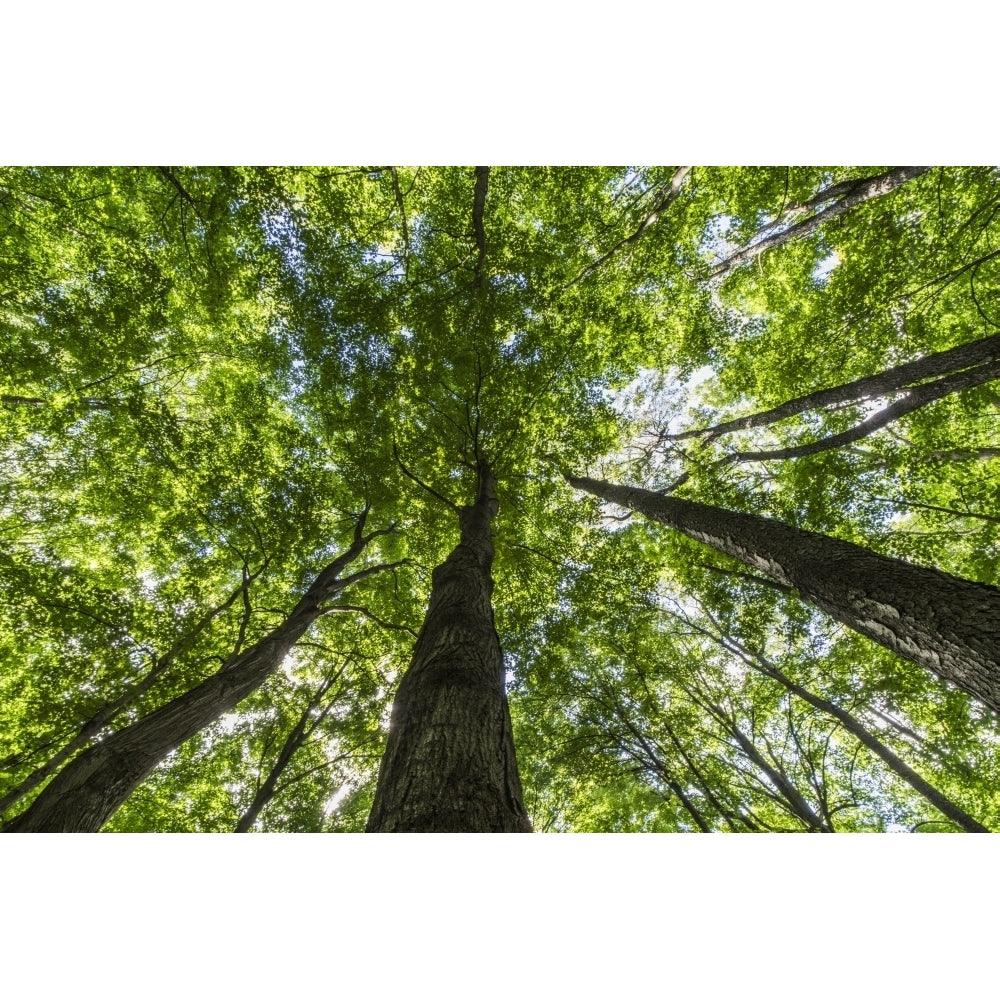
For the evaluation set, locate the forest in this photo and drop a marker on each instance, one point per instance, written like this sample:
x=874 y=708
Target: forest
x=500 y=499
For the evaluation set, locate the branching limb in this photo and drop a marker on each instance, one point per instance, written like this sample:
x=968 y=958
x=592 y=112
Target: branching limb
x=434 y=493
x=895 y=379
x=914 y=400
x=368 y=614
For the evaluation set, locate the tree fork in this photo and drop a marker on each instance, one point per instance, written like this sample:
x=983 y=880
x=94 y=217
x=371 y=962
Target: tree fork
x=947 y=624
x=450 y=765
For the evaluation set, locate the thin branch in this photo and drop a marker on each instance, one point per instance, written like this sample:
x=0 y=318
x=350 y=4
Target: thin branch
x=402 y=214
x=368 y=614
x=941 y=510
x=181 y=190
x=668 y=193
x=957 y=273
x=751 y=577
x=420 y=482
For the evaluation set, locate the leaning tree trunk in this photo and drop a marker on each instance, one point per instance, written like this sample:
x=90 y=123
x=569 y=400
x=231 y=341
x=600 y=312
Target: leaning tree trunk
x=449 y=765
x=109 y=712
x=944 y=623
x=88 y=791
x=850 y=194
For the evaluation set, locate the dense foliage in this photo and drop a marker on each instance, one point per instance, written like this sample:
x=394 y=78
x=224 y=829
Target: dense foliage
x=209 y=374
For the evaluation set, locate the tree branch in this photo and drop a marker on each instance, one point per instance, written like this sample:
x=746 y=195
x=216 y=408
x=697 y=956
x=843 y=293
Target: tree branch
x=368 y=614
x=434 y=493
x=895 y=379
x=861 y=191
x=668 y=193
x=402 y=213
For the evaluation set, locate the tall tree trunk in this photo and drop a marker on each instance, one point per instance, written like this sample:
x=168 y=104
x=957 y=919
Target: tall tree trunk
x=449 y=765
x=942 y=622
x=87 y=792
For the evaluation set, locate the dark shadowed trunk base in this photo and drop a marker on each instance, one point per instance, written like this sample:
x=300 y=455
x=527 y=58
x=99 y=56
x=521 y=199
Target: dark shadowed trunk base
x=449 y=766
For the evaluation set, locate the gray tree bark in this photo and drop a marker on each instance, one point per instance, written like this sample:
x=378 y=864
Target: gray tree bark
x=449 y=766
x=947 y=624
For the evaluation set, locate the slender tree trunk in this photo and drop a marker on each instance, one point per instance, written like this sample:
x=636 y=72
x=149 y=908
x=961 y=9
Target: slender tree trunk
x=733 y=819
x=763 y=665
x=784 y=791
x=678 y=790
x=87 y=792
x=793 y=799
x=266 y=790
x=301 y=731
x=650 y=759
x=942 y=622
x=860 y=191
x=937 y=798
x=898 y=379
x=449 y=765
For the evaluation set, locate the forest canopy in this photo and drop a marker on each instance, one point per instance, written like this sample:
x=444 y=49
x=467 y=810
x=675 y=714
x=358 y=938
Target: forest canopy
x=657 y=498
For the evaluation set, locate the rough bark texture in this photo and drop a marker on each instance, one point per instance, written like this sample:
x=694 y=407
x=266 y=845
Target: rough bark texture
x=449 y=766
x=89 y=790
x=942 y=622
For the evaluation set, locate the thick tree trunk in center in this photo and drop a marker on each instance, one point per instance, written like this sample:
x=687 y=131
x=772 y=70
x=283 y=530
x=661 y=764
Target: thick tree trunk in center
x=450 y=765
